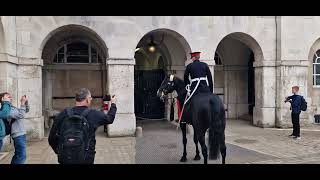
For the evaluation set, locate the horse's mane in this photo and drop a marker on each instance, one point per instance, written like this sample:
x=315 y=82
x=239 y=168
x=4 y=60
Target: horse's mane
x=179 y=82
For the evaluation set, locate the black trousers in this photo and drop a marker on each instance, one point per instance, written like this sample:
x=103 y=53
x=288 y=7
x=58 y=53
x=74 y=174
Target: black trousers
x=296 y=124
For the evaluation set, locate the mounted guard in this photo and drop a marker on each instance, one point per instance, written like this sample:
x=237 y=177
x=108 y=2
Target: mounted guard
x=198 y=79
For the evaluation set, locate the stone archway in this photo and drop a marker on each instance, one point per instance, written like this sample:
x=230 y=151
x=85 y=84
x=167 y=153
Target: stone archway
x=240 y=80
x=151 y=67
x=313 y=90
x=74 y=56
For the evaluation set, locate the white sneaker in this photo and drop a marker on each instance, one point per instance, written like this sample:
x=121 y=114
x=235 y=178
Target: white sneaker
x=297 y=137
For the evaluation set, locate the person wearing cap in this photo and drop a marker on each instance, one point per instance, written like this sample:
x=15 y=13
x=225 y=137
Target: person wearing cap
x=198 y=71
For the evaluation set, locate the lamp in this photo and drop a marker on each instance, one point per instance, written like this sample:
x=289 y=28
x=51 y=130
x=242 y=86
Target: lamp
x=152 y=45
x=152 y=48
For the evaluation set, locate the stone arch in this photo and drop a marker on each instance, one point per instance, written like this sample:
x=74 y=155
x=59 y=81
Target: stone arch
x=173 y=42
x=249 y=41
x=71 y=32
x=174 y=49
x=61 y=80
x=314 y=92
x=239 y=51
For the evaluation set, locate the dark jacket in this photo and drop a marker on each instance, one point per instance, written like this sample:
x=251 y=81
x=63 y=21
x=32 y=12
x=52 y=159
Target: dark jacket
x=198 y=69
x=95 y=119
x=296 y=101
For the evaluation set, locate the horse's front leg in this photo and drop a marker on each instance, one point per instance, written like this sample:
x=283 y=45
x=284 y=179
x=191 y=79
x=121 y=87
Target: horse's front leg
x=183 y=126
x=195 y=139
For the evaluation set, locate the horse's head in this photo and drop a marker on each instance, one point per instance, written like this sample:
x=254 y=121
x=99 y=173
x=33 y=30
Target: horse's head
x=167 y=86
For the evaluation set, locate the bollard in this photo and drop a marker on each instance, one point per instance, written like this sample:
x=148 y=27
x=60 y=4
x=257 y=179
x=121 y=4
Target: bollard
x=139 y=131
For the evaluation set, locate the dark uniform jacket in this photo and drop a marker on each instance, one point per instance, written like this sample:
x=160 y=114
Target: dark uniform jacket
x=296 y=101
x=95 y=119
x=198 y=69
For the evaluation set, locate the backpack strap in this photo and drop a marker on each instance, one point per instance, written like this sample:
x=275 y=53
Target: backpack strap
x=69 y=112
x=85 y=112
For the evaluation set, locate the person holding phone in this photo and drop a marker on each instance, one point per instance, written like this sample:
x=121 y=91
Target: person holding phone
x=16 y=129
x=65 y=134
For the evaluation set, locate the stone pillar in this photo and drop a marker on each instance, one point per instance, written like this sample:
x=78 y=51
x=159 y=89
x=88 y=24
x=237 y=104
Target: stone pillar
x=120 y=81
x=291 y=73
x=265 y=94
x=47 y=96
x=19 y=77
x=8 y=77
x=30 y=83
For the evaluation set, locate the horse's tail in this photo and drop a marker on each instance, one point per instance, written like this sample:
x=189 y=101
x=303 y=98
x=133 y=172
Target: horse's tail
x=216 y=131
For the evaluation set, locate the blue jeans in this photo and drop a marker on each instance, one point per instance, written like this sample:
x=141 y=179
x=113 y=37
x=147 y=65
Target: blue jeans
x=20 y=150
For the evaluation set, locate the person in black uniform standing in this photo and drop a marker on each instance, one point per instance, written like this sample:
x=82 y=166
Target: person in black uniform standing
x=198 y=69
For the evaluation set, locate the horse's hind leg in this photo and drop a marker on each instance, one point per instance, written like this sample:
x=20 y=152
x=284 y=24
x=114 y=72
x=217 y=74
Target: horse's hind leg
x=223 y=149
x=183 y=126
x=203 y=148
x=195 y=139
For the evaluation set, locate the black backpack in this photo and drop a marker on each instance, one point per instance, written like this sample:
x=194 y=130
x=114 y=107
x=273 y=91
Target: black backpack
x=73 y=138
x=8 y=125
x=304 y=104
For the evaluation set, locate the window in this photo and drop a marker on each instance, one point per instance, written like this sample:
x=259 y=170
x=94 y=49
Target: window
x=217 y=59
x=316 y=69
x=77 y=52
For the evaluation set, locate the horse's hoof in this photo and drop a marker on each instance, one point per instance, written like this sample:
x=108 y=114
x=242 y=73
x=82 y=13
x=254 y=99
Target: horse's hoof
x=197 y=158
x=183 y=159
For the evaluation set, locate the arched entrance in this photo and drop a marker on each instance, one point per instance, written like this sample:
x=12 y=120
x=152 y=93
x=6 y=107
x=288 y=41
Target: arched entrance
x=235 y=79
x=313 y=82
x=74 y=57
x=158 y=53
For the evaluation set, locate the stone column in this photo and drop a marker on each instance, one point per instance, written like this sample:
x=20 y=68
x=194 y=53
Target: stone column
x=291 y=73
x=47 y=95
x=265 y=94
x=120 y=81
x=29 y=73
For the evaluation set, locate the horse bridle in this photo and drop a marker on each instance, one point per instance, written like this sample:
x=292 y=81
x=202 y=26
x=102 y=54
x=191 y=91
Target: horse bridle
x=171 y=78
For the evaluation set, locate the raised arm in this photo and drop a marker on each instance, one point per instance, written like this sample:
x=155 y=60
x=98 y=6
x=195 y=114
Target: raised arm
x=18 y=113
x=104 y=119
x=288 y=99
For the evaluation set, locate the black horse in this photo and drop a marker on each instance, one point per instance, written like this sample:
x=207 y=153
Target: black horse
x=206 y=111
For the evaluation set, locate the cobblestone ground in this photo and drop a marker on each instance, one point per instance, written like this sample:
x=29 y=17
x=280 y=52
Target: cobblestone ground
x=245 y=144
x=276 y=142
x=161 y=144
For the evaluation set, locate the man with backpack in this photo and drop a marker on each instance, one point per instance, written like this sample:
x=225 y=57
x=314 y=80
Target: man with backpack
x=72 y=136
x=298 y=103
